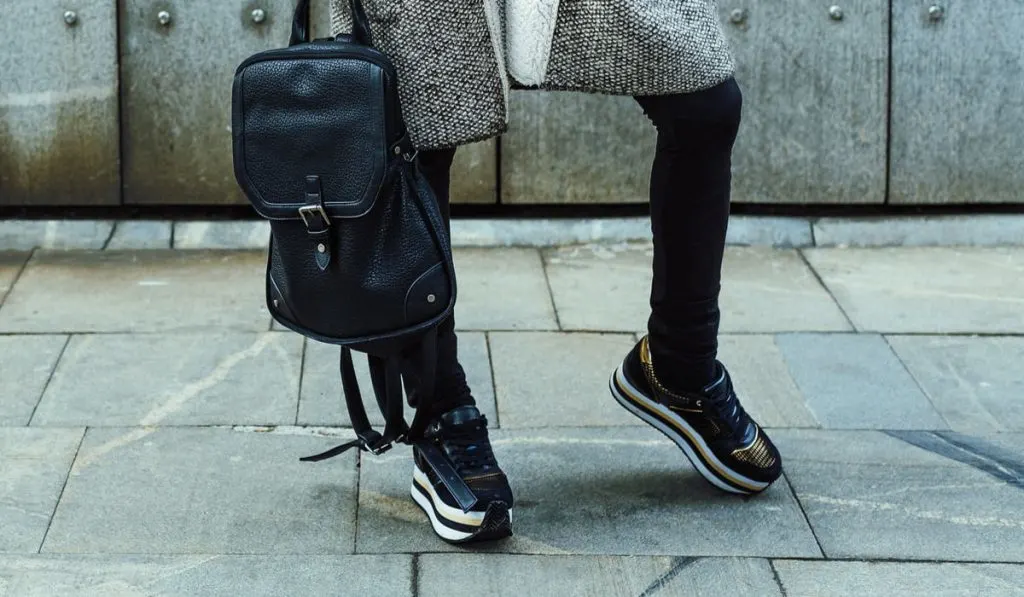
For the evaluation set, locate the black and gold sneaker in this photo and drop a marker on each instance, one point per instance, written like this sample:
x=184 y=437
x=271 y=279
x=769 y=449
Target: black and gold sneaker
x=457 y=482
x=724 y=444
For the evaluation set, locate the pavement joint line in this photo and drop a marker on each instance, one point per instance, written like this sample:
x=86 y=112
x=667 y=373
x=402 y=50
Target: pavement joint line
x=826 y=288
x=778 y=579
x=302 y=370
x=807 y=519
x=49 y=378
x=414 y=575
x=60 y=496
x=494 y=382
x=551 y=291
x=678 y=565
x=917 y=382
x=110 y=237
x=17 y=276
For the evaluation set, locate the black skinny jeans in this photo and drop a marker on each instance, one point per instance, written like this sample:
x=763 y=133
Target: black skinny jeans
x=689 y=203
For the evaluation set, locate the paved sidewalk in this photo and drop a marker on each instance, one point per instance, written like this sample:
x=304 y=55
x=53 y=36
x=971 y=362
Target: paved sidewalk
x=152 y=417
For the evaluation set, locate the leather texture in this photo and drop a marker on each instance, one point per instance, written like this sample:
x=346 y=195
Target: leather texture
x=359 y=254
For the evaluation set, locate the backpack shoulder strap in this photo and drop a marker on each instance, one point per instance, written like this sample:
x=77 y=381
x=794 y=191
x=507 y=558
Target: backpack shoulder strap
x=387 y=385
x=386 y=376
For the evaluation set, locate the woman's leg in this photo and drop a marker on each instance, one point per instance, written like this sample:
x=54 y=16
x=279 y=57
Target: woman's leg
x=690 y=183
x=451 y=389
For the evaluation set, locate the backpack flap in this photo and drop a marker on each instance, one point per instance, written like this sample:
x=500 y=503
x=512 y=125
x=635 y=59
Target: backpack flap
x=312 y=131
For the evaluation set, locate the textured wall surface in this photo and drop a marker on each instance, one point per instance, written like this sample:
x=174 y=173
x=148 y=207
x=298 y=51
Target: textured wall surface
x=814 y=121
x=58 y=103
x=176 y=93
x=816 y=107
x=575 y=148
x=958 y=102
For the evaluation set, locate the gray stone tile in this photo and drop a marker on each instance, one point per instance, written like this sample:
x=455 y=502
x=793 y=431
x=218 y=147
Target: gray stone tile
x=175 y=379
x=601 y=287
x=762 y=381
x=148 y=291
x=870 y=495
x=607 y=287
x=194 y=491
x=553 y=379
x=918 y=231
x=854 y=381
x=631 y=492
x=899 y=579
x=34 y=464
x=141 y=234
x=773 y=290
x=26 y=363
x=10 y=264
x=975 y=383
x=322 y=402
x=471 y=575
x=222 y=235
x=767 y=231
x=206 y=575
x=25 y=235
x=927 y=290
x=542 y=232
x=502 y=289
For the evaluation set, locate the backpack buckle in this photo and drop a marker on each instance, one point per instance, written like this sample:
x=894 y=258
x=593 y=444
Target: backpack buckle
x=309 y=212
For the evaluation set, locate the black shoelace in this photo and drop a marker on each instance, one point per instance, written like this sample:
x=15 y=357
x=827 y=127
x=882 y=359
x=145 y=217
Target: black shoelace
x=468 y=447
x=728 y=410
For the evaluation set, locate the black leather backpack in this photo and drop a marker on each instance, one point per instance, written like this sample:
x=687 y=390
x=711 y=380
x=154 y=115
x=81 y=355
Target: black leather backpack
x=359 y=253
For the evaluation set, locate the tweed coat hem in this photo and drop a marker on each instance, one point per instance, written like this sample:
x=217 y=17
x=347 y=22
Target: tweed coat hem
x=459 y=60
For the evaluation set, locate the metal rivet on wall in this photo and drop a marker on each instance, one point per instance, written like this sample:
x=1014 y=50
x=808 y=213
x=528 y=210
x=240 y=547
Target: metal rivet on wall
x=936 y=12
x=259 y=15
x=738 y=16
x=71 y=18
x=836 y=12
x=164 y=18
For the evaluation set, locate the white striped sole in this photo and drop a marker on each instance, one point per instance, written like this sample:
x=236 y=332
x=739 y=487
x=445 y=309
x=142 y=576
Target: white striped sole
x=701 y=462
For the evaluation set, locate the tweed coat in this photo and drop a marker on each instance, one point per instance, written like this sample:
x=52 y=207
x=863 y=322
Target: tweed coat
x=458 y=59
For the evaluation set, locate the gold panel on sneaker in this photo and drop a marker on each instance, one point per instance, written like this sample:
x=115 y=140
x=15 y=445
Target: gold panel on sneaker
x=726 y=446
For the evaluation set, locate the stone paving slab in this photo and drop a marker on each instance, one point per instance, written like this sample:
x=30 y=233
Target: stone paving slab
x=502 y=289
x=552 y=379
x=145 y=291
x=868 y=494
x=25 y=235
x=175 y=379
x=206 y=491
x=10 y=265
x=205 y=575
x=620 y=491
x=26 y=363
x=975 y=383
x=321 y=399
x=899 y=579
x=927 y=290
x=854 y=381
x=473 y=575
x=771 y=231
x=140 y=234
x=763 y=382
x=917 y=231
x=607 y=288
x=34 y=464
x=242 y=234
